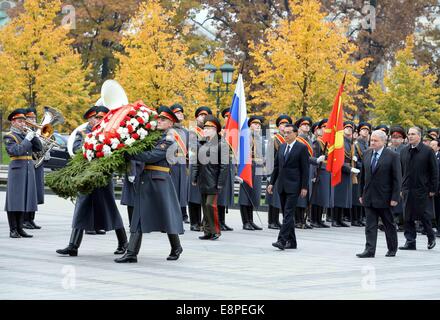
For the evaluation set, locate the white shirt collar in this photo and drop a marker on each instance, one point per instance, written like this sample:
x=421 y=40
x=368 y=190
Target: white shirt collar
x=379 y=152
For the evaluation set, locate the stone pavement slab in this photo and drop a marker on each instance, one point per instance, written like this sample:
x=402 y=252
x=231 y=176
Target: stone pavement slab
x=240 y=265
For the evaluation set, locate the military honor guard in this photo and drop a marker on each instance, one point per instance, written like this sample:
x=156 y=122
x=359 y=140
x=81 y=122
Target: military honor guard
x=343 y=191
x=97 y=210
x=303 y=124
x=249 y=198
x=210 y=174
x=194 y=196
x=419 y=186
x=273 y=199
x=133 y=173
x=291 y=176
x=226 y=195
x=179 y=168
x=157 y=207
x=361 y=145
x=322 y=193
x=21 y=193
x=29 y=217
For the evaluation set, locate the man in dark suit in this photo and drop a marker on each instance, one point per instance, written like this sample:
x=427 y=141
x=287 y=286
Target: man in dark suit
x=291 y=175
x=381 y=178
x=419 y=186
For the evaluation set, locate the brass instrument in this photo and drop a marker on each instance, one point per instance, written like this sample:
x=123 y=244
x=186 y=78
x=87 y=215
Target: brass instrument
x=45 y=132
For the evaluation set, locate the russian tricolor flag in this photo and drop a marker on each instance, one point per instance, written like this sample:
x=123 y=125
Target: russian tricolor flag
x=238 y=135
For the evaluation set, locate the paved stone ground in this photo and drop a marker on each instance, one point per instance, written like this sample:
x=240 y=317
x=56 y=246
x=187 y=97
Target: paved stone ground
x=240 y=265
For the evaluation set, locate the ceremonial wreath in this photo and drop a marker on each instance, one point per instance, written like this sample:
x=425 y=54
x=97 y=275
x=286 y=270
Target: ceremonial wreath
x=127 y=129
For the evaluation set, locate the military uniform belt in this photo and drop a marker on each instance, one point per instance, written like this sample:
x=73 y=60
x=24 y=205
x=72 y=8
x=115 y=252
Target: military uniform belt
x=157 y=168
x=22 y=158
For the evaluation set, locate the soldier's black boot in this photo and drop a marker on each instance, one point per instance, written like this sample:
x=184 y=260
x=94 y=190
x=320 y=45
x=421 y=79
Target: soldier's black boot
x=134 y=246
x=245 y=218
x=272 y=217
x=314 y=217
x=341 y=216
x=251 y=218
x=13 y=233
x=32 y=220
x=194 y=216
x=26 y=221
x=222 y=217
x=176 y=248
x=336 y=218
x=122 y=241
x=19 y=218
x=74 y=243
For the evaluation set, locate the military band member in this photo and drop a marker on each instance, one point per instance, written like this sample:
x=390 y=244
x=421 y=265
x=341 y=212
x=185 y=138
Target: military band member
x=361 y=145
x=29 y=217
x=179 y=169
x=157 y=207
x=97 y=210
x=249 y=198
x=303 y=124
x=322 y=191
x=273 y=199
x=194 y=196
x=343 y=191
x=21 y=194
x=226 y=195
x=210 y=174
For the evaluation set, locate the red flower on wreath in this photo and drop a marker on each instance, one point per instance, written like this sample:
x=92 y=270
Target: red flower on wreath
x=100 y=154
x=135 y=136
x=99 y=147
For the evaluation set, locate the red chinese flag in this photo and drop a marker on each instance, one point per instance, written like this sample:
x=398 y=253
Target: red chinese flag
x=334 y=137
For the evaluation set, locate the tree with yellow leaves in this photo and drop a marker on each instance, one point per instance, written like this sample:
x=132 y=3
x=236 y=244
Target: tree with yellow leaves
x=302 y=62
x=410 y=97
x=155 y=66
x=44 y=69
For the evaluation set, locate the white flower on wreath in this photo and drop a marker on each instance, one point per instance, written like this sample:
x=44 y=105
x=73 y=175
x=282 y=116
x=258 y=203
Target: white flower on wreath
x=107 y=150
x=134 y=122
x=153 y=124
x=89 y=155
x=129 y=141
x=101 y=137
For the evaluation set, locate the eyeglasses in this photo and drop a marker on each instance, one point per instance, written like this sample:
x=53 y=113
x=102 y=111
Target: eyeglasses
x=288 y=132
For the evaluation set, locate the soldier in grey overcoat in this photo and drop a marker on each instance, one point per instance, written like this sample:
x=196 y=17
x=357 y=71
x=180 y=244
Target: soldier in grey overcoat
x=156 y=207
x=249 y=198
x=21 y=194
x=226 y=196
x=343 y=191
x=133 y=173
x=97 y=210
x=322 y=193
x=194 y=195
x=180 y=170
